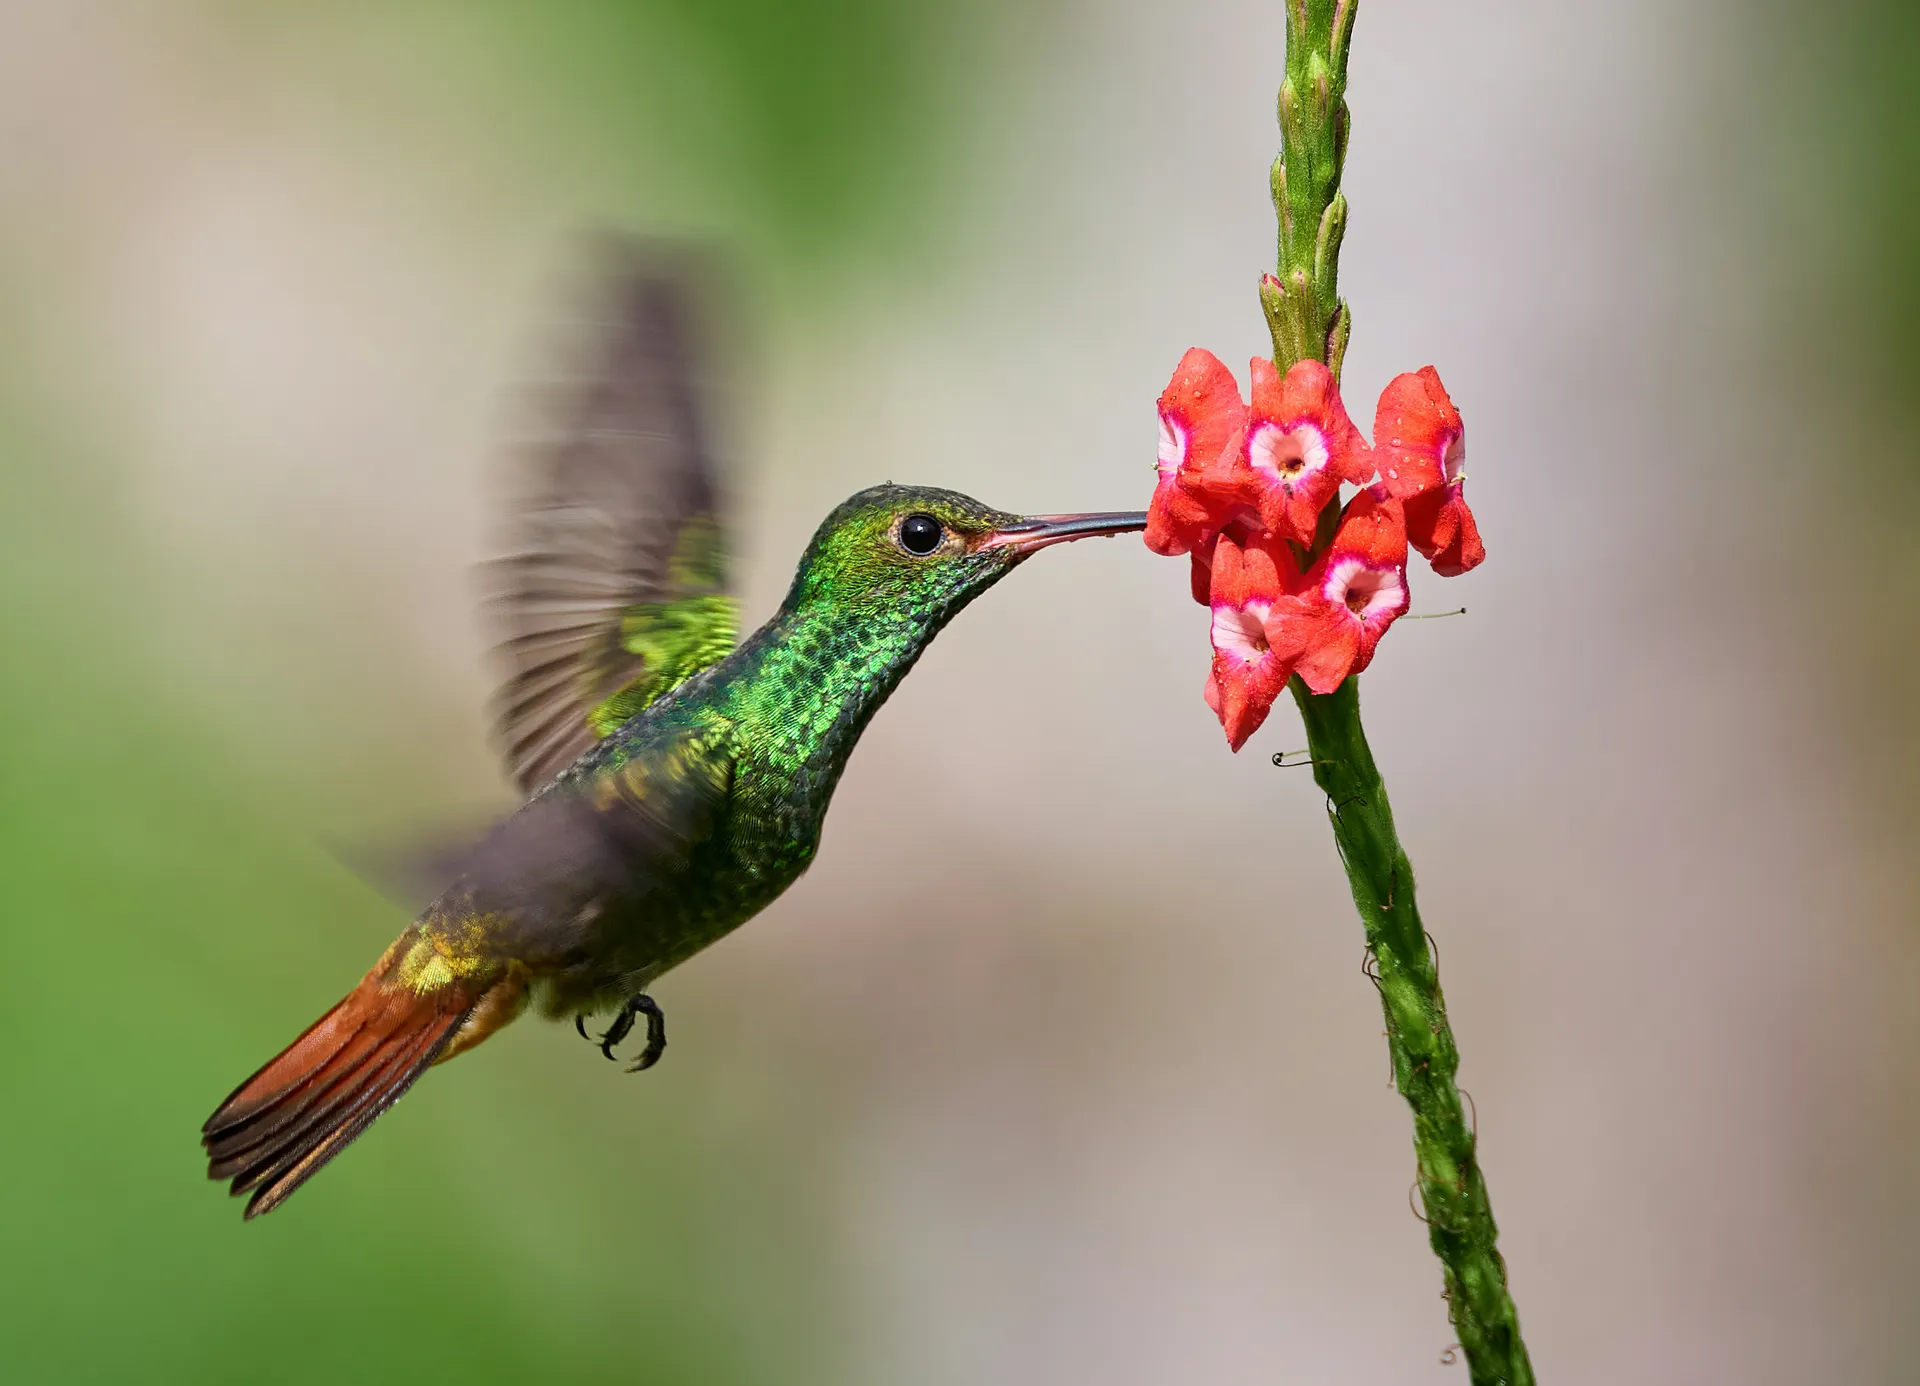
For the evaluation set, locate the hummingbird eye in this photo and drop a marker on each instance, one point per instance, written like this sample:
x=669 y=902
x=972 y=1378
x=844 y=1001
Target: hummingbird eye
x=920 y=534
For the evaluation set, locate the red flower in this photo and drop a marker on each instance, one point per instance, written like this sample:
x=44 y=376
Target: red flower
x=1300 y=446
x=1422 y=447
x=1248 y=674
x=1201 y=417
x=1330 y=627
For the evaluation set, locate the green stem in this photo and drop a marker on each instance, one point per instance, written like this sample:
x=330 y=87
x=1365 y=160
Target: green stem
x=1453 y=1191
x=1308 y=319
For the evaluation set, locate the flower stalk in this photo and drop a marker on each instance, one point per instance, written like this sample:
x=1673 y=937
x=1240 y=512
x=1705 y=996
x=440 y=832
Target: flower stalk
x=1304 y=310
x=1309 y=320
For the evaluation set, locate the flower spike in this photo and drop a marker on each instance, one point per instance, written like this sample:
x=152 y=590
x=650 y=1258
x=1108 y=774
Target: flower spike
x=1421 y=443
x=1202 y=418
x=1241 y=491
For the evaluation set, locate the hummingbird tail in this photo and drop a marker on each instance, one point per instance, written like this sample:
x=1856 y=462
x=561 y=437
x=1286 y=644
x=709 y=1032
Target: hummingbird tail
x=305 y=1106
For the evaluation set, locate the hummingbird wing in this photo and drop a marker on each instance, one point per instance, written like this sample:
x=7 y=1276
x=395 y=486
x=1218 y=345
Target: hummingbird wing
x=622 y=830
x=614 y=586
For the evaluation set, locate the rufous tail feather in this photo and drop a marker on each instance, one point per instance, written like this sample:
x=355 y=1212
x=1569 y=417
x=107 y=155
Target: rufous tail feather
x=308 y=1104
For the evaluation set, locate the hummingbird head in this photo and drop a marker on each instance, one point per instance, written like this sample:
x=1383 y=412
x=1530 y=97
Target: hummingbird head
x=920 y=553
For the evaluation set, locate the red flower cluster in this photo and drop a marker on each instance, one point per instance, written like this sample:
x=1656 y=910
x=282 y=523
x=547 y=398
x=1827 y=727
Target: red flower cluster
x=1242 y=489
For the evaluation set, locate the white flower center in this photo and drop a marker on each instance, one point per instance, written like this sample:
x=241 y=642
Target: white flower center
x=1287 y=453
x=1365 y=591
x=1453 y=461
x=1241 y=631
x=1173 y=444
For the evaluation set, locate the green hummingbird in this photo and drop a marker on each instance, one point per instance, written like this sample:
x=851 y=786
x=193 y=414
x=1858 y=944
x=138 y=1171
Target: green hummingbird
x=677 y=781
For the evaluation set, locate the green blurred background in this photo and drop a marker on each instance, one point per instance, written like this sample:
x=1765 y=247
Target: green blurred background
x=1058 y=1067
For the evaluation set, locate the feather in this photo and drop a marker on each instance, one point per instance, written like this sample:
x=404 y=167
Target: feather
x=308 y=1103
x=619 y=518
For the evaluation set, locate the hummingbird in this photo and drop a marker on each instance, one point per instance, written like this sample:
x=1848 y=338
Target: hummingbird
x=677 y=778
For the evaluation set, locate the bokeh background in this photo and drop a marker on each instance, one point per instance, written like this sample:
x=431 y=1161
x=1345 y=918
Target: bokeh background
x=1059 y=1066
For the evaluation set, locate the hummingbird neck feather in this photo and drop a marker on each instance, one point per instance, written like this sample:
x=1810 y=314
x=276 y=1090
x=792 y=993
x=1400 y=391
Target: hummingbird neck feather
x=821 y=671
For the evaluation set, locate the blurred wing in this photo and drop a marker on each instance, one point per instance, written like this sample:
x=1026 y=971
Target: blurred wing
x=618 y=832
x=614 y=585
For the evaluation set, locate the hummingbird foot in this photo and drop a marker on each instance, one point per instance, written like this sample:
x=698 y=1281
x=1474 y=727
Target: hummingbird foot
x=636 y=1005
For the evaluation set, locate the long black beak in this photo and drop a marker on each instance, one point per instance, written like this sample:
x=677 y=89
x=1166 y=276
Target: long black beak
x=1042 y=531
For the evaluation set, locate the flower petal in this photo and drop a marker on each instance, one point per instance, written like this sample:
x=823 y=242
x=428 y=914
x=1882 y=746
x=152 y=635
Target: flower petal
x=1177 y=523
x=1202 y=419
x=1373 y=527
x=1318 y=640
x=1246 y=694
x=1200 y=577
x=1419 y=439
x=1250 y=568
x=1201 y=408
x=1441 y=526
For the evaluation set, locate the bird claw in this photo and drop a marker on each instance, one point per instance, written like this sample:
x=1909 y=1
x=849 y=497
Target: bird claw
x=636 y=1005
x=622 y=1023
x=656 y=1030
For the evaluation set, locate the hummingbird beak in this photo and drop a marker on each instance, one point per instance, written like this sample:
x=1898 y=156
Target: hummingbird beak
x=1043 y=531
